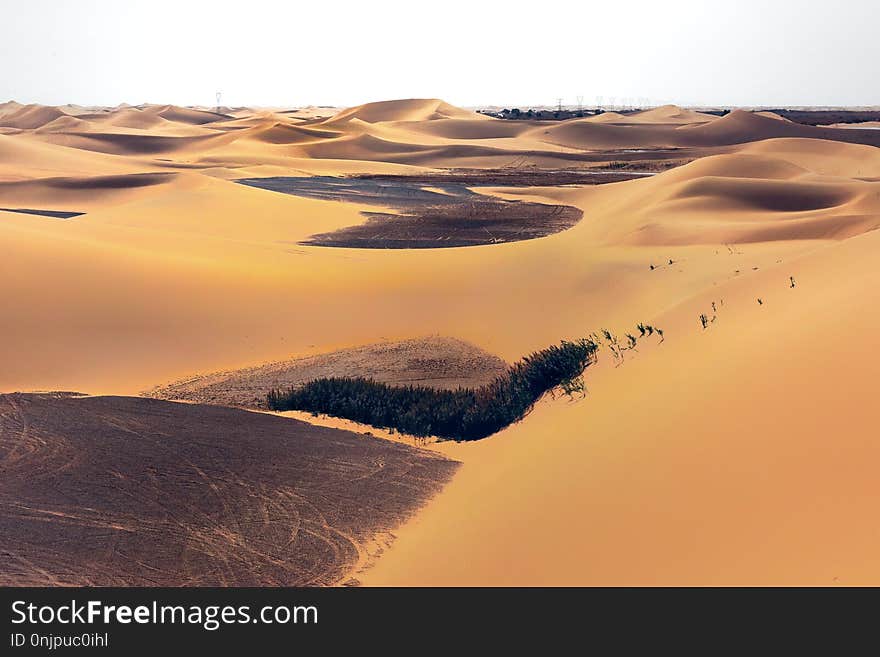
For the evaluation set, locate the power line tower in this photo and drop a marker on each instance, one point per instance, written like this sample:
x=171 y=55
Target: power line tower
x=580 y=100
x=558 y=104
x=219 y=95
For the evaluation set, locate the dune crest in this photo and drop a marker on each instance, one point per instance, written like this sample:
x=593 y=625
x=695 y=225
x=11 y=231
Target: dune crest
x=430 y=109
x=664 y=115
x=777 y=192
x=28 y=117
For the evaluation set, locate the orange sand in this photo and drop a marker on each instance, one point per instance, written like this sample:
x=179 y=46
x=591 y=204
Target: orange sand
x=741 y=454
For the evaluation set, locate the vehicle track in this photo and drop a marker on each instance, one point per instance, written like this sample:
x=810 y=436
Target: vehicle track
x=121 y=491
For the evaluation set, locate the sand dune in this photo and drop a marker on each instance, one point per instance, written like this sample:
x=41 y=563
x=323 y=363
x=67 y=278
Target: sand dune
x=185 y=228
x=403 y=110
x=363 y=147
x=435 y=362
x=63 y=124
x=737 y=127
x=772 y=115
x=256 y=118
x=741 y=126
x=769 y=195
x=664 y=115
x=277 y=132
x=29 y=117
x=608 y=117
x=586 y=133
x=419 y=132
x=824 y=157
x=464 y=128
x=772 y=193
x=130 y=121
x=117 y=143
x=9 y=107
x=28 y=158
x=184 y=114
x=727 y=454
x=134 y=118
x=704 y=459
x=672 y=114
x=78 y=193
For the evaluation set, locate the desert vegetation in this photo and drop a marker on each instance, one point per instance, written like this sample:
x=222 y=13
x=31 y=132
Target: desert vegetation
x=462 y=414
x=435 y=362
x=467 y=223
x=423 y=218
x=521 y=176
x=645 y=165
x=619 y=347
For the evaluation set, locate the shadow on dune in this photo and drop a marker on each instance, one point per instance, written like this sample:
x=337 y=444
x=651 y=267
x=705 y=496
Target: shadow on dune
x=127 y=491
x=125 y=181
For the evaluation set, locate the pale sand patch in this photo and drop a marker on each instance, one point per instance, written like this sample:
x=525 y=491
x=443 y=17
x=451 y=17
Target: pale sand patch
x=435 y=362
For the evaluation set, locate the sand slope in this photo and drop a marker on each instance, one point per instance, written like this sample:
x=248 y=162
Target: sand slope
x=666 y=114
x=435 y=362
x=738 y=127
x=28 y=117
x=120 y=491
x=734 y=459
x=403 y=110
x=769 y=191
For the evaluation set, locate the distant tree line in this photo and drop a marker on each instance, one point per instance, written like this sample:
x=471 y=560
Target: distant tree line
x=518 y=114
x=462 y=414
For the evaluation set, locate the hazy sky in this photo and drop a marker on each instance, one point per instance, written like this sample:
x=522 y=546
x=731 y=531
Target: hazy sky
x=733 y=52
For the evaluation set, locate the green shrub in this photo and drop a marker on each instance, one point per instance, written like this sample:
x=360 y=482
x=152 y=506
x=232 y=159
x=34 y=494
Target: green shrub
x=463 y=414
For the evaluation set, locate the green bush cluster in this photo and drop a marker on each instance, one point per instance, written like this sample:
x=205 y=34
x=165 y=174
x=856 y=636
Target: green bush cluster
x=462 y=414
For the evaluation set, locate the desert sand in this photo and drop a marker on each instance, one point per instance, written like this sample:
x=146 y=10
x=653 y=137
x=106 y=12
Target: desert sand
x=435 y=362
x=739 y=453
x=104 y=491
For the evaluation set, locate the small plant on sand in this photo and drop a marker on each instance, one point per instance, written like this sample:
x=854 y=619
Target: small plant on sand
x=618 y=348
x=573 y=386
x=649 y=330
x=613 y=346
